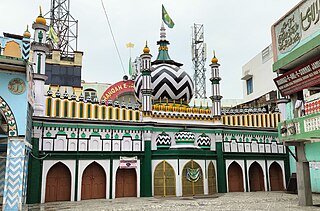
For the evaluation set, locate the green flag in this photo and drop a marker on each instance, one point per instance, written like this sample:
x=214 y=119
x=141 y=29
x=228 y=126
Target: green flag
x=130 y=67
x=166 y=18
x=52 y=35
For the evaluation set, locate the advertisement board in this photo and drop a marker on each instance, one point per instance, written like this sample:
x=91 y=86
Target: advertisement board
x=302 y=77
x=118 y=89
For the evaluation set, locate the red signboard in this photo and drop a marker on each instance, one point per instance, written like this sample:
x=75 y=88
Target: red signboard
x=302 y=77
x=118 y=89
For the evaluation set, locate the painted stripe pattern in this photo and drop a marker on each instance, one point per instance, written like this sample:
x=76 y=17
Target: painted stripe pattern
x=25 y=48
x=168 y=81
x=184 y=136
x=14 y=175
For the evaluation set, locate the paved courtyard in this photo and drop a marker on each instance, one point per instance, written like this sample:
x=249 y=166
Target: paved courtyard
x=228 y=201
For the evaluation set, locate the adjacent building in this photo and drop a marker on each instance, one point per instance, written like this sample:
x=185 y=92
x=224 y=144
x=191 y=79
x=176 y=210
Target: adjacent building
x=296 y=44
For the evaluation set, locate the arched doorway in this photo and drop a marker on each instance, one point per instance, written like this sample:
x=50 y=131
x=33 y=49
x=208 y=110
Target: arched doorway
x=93 y=182
x=126 y=183
x=58 y=185
x=164 y=180
x=256 y=178
x=192 y=179
x=276 y=177
x=211 y=179
x=235 y=178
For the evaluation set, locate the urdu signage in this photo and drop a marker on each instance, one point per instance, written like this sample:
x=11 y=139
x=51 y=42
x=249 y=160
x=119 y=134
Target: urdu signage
x=297 y=27
x=302 y=77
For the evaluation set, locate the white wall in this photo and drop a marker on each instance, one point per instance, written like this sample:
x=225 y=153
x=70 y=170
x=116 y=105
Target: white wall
x=262 y=76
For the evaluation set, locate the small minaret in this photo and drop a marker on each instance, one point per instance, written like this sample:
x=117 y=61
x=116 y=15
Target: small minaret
x=146 y=90
x=40 y=49
x=26 y=44
x=216 y=97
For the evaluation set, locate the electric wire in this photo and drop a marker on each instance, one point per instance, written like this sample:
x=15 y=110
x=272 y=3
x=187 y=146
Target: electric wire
x=114 y=41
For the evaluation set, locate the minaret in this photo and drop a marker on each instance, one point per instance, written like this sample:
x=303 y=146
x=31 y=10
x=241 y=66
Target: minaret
x=216 y=97
x=40 y=49
x=146 y=90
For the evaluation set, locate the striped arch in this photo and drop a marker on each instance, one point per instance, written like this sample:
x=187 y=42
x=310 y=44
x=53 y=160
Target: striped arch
x=7 y=113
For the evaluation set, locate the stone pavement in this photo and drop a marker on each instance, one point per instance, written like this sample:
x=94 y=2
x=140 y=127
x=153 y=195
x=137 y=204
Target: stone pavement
x=272 y=201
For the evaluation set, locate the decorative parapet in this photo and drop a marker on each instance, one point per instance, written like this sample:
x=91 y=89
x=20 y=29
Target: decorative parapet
x=77 y=107
x=306 y=128
x=252 y=119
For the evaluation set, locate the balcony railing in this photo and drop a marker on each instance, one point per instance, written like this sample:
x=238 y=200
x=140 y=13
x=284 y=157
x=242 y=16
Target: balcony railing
x=305 y=128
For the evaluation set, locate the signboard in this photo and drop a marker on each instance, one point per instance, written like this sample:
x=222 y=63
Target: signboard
x=296 y=28
x=302 y=77
x=128 y=162
x=118 y=89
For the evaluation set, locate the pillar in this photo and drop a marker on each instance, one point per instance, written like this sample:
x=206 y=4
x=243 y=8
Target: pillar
x=16 y=173
x=303 y=177
x=146 y=173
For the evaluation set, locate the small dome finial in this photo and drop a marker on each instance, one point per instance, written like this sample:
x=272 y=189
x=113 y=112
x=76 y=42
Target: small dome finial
x=214 y=60
x=146 y=48
x=26 y=33
x=162 y=32
x=40 y=19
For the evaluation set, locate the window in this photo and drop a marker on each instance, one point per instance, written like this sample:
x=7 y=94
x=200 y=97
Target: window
x=249 y=86
x=90 y=93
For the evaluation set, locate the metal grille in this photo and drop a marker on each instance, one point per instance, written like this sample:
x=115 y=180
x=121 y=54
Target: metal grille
x=211 y=179
x=164 y=180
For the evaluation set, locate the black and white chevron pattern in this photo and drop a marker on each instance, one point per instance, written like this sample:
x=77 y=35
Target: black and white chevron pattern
x=25 y=49
x=163 y=139
x=168 y=81
x=203 y=140
x=184 y=136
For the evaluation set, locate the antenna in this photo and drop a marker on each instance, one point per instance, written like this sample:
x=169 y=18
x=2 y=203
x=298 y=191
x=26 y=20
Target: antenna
x=199 y=57
x=65 y=26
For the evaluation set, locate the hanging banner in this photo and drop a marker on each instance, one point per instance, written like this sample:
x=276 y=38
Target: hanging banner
x=193 y=175
x=128 y=162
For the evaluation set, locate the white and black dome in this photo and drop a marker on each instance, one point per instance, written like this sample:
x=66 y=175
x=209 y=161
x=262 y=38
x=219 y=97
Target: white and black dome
x=204 y=141
x=163 y=140
x=168 y=82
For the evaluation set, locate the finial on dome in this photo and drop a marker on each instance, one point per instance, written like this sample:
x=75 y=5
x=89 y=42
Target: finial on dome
x=162 y=32
x=26 y=33
x=146 y=48
x=214 y=60
x=40 y=19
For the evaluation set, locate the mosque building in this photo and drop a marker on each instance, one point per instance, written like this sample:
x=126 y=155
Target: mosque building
x=157 y=145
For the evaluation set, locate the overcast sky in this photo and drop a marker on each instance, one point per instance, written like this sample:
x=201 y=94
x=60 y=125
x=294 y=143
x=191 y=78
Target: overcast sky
x=236 y=30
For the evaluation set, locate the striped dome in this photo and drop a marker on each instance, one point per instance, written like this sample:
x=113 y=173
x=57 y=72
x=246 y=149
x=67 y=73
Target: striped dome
x=204 y=141
x=168 y=82
x=163 y=140
x=184 y=136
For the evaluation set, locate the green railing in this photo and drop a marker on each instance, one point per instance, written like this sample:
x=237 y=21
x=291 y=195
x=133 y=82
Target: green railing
x=305 y=128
